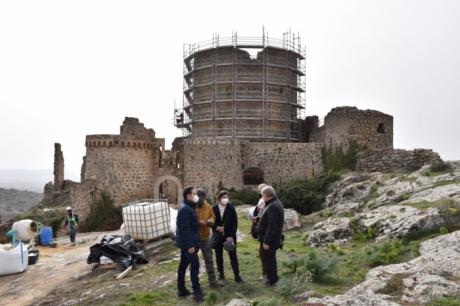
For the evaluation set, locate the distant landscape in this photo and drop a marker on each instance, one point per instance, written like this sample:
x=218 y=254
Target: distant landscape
x=13 y=202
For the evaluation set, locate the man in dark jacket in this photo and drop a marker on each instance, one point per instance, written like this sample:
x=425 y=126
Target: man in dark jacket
x=270 y=232
x=188 y=241
x=225 y=229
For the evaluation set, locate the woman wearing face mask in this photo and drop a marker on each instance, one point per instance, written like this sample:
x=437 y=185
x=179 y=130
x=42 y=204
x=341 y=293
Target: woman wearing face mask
x=225 y=229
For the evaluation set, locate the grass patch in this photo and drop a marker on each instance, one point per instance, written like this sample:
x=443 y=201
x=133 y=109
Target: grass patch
x=448 y=301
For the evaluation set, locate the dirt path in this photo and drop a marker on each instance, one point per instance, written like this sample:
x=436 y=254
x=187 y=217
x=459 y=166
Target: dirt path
x=55 y=267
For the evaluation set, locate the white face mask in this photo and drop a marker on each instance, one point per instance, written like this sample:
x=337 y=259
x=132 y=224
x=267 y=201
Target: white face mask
x=195 y=199
x=224 y=201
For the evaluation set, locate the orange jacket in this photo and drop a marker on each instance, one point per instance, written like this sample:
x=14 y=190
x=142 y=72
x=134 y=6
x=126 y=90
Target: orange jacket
x=205 y=214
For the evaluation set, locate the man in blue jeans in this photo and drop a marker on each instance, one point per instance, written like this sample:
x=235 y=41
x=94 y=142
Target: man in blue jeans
x=72 y=221
x=188 y=241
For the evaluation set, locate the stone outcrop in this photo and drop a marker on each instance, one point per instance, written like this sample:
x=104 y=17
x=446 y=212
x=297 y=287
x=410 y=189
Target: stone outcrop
x=434 y=274
x=291 y=219
x=397 y=221
x=333 y=230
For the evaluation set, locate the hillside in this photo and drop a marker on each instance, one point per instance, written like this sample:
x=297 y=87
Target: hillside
x=379 y=239
x=13 y=202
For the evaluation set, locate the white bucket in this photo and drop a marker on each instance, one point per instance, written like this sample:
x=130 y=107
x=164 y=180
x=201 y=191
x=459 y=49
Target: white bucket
x=147 y=220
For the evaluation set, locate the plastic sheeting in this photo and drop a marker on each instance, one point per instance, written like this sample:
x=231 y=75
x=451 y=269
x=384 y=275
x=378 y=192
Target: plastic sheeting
x=121 y=249
x=13 y=260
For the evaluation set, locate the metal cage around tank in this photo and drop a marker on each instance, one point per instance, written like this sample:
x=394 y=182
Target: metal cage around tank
x=243 y=87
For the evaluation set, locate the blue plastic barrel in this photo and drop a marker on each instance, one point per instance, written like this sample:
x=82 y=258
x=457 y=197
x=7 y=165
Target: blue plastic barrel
x=46 y=235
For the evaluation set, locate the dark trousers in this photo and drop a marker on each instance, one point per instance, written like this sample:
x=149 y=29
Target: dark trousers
x=219 y=247
x=73 y=234
x=187 y=259
x=268 y=258
x=264 y=272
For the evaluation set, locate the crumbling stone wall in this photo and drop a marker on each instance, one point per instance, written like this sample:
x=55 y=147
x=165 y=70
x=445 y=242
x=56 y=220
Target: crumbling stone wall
x=394 y=160
x=58 y=167
x=124 y=165
x=371 y=129
x=208 y=162
x=281 y=162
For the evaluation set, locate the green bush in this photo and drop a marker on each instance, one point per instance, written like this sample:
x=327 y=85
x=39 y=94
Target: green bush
x=439 y=166
x=243 y=197
x=313 y=265
x=306 y=195
x=338 y=159
x=385 y=254
x=103 y=216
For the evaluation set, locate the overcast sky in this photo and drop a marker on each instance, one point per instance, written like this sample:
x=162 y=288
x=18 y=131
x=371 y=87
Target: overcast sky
x=71 y=68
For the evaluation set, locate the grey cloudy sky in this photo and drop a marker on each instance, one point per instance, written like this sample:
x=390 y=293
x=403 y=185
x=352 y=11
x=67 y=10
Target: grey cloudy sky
x=71 y=68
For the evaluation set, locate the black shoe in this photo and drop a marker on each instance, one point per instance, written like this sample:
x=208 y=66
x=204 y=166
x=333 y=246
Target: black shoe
x=198 y=297
x=238 y=279
x=222 y=277
x=183 y=292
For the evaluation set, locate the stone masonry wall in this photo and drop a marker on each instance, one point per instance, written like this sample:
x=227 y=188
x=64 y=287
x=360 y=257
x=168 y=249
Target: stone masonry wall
x=281 y=162
x=127 y=173
x=394 y=160
x=209 y=161
x=370 y=128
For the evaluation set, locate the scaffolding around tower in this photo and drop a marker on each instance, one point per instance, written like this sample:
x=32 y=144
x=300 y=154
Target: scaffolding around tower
x=244 y=87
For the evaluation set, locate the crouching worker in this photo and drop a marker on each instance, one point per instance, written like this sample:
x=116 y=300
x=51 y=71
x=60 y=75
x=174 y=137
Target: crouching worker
x=206 y=219
x=72 y=221
x=225 y=230
x=270 y=233
x=188 y=241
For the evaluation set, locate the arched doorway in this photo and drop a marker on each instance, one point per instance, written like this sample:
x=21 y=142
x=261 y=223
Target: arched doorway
x=169 y=187
x=253 y=176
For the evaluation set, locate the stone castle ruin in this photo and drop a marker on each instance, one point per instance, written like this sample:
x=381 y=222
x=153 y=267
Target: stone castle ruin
x=243 y=121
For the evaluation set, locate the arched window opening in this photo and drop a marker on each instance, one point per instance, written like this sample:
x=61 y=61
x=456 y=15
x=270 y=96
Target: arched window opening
x=253 y=176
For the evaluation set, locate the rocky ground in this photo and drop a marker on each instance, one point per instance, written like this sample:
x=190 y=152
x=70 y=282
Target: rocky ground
x=395 y=239
x=389 y=206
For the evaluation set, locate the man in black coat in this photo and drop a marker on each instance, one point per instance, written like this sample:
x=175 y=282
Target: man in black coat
x=270 y=233
x=188 y=241
x=224 y=229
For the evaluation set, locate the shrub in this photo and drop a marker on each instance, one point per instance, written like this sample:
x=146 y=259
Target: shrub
x=439 y=166
x=339 y=159
x=312 y=265
x=244 y=197
x=394 y=286
x=306 y=195
x=385 y=254
x=103 y=216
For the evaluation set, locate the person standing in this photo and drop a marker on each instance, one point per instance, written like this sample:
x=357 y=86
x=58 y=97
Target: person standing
x=225 y=229
x=72 y=221
x=188 y=241
x=206 y=219
x=270 y=233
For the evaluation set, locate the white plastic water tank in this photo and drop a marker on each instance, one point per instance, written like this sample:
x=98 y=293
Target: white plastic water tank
x=147 y=220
